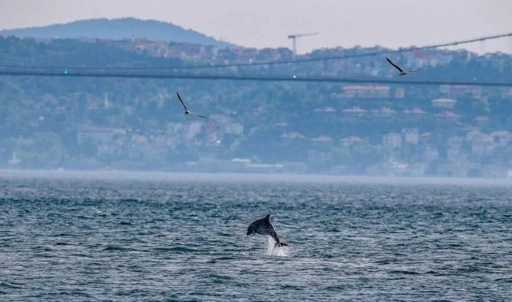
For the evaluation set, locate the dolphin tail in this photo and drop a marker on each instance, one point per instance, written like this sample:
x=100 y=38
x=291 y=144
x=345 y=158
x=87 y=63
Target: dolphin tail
x=280 y=244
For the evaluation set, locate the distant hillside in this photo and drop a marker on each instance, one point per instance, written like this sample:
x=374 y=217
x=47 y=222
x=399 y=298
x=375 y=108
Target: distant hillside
x=116 y=29
x=401 y=129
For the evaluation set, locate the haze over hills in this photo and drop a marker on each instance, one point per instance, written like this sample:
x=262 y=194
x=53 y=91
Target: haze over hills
x=117 y=29
x=399 y=129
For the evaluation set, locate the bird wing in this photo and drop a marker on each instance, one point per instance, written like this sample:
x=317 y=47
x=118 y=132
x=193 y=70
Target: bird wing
x=182 y=103
x=198 y=115
x=394 y=65
x=415 y=70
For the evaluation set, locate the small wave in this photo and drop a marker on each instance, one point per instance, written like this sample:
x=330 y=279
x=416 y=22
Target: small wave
x=404 y=272
x=129 y=200
x=60 y=235
x=216 y=278
x=177 y=249
x=224 y=258
x=10 y=285
x=505 y=280
x=117 y=248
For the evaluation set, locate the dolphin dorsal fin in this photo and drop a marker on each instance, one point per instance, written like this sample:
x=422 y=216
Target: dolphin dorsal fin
x=267 y=217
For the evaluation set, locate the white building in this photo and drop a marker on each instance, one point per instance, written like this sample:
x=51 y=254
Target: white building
x=411 y=136
x=392 y=140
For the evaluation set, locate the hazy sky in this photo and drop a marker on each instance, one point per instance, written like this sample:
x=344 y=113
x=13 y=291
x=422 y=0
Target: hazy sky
x=267 y=23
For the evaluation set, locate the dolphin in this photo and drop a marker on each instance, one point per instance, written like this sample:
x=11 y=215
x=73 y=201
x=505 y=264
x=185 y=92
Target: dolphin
x=263 y=226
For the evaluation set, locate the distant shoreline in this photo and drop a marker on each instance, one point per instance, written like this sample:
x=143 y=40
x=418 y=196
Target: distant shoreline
x=264 y=177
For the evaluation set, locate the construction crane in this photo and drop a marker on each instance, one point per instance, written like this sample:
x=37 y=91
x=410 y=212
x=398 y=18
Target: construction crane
x=294 y=41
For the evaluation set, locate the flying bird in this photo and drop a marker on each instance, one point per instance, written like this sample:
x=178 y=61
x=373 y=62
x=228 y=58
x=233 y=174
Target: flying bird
x=186 y=109
x=402 y=72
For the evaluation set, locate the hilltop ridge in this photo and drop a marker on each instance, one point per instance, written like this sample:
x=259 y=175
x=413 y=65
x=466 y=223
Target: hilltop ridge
x=117 y=29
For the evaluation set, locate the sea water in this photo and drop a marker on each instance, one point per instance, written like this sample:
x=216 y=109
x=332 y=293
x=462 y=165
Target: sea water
x=148 y=237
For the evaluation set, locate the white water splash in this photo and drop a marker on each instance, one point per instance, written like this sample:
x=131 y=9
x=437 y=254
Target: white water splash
x=274 y=250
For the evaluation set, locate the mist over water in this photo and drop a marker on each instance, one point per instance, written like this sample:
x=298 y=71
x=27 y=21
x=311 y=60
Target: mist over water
x=118 y=237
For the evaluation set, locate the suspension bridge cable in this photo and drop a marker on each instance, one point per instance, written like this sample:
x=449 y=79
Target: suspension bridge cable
x=101 y=73
x=369 y=54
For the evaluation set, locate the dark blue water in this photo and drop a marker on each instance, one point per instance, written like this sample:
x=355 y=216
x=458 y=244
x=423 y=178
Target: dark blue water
x=142 y=237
